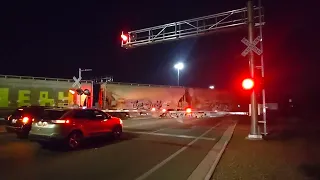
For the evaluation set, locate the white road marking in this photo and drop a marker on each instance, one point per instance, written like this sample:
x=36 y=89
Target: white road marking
x=179 y=125
x=207 y=166
x=156 y=167
x=147 y=123
x=172 y=135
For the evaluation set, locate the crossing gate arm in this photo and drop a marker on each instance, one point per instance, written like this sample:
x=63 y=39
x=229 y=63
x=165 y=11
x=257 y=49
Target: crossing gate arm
x=189 y=28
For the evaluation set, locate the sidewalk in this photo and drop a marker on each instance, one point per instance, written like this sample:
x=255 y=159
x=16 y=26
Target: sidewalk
x=291 y=152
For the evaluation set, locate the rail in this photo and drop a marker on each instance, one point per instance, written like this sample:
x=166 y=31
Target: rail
x=175 y=114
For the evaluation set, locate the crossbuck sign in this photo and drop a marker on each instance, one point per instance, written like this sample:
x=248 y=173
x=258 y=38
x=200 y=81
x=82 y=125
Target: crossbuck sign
x=76 y=82
x=251 y=46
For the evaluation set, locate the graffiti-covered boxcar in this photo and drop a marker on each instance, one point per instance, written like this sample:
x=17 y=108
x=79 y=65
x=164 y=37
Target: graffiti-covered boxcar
x=146 y=97
x=16 y=91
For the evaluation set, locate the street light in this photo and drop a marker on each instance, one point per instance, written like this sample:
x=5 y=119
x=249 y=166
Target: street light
x=211 y=87
x=179 y=66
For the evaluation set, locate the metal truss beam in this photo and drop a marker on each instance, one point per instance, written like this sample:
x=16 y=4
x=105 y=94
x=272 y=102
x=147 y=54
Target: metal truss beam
x=189 y=28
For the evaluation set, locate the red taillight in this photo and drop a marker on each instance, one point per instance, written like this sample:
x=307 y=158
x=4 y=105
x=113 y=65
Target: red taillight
x=60 y=121
x=25 y=120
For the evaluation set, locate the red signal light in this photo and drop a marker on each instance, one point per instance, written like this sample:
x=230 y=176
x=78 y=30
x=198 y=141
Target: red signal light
x=124 y=37
x=247 y=84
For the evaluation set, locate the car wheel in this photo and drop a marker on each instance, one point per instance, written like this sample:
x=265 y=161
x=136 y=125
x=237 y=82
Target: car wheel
x=74 y=140
x=22 y=135
x=117 y=132
x=44 y=145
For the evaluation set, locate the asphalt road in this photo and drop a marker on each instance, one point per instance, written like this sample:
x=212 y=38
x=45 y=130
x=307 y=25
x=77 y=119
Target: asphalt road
x=149 y=149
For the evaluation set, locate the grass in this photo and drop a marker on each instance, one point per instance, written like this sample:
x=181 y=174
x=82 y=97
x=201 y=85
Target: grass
x=291 y=151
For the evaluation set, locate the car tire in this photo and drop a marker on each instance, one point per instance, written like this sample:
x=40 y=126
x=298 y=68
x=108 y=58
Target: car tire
x=74 y=140
x=116 y=132
x=44 y=145
x=22 y=135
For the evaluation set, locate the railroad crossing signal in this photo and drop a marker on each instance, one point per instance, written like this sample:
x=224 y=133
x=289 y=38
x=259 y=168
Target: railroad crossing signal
x=76 y=82
x=248 y=84
x=251 y=46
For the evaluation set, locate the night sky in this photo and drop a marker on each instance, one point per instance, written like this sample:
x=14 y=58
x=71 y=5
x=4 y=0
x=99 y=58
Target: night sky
x=54 y=39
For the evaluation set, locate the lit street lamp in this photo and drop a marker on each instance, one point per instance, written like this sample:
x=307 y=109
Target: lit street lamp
x=179 y=66
x=211 y=87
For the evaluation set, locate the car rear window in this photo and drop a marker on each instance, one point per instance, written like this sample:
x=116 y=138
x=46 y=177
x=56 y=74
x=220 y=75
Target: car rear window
x=23 y=111
x=53 y=114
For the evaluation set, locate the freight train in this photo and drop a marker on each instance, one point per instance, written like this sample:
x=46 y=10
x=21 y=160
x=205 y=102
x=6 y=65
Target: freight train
x=16 y=91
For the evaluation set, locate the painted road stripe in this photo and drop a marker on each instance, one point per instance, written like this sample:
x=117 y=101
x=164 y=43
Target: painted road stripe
x=207 y=166
x=172 y=135
x=158 y=121
x=177 y=125
x=148 y=173
x=146 y=123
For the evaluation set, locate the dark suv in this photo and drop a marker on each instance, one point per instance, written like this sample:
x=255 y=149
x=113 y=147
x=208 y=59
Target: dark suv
x=20 y=120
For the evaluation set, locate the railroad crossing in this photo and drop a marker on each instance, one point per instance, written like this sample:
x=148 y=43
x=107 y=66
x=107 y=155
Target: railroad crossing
x=251 y=16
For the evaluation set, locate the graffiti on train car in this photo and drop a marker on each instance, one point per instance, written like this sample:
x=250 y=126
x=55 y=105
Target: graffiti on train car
x=146 y=98
x=146 y=104
x=12 y=97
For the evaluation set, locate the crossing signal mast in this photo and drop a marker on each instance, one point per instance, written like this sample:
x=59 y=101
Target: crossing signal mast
x=251 y=16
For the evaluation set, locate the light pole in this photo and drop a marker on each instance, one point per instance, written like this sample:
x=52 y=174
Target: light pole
x=179 y=66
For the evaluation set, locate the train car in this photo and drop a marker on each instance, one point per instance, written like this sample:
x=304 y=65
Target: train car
x=17 y=91
x=147 y=97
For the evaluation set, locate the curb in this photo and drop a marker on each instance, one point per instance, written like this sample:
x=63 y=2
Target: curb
x=206 y=167
x=216 y=162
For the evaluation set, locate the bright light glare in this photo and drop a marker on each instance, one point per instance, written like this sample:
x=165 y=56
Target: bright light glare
x=153 y=109
x=124 y=37
x=179 y=66
x=188 y=110
x=211 y=87
x=25 y=120
x=72 y=91
x=247 y=84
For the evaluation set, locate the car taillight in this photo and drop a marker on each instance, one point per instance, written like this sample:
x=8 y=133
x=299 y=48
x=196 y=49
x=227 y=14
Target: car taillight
x=60 y=121
x=25 y=120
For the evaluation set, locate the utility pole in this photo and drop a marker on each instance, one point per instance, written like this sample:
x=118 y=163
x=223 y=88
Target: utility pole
x=254 y=133
x=264 y=110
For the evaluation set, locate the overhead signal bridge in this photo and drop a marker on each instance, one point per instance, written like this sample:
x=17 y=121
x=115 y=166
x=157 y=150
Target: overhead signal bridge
x=189 y=28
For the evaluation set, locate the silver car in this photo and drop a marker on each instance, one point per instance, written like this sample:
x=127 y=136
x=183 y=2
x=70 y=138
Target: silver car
x=71 y=126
